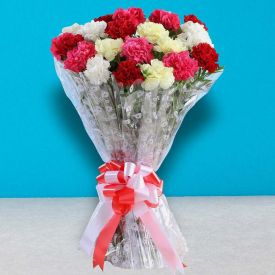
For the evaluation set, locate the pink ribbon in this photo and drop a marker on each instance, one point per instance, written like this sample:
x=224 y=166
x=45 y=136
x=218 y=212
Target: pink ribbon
x=125 y=187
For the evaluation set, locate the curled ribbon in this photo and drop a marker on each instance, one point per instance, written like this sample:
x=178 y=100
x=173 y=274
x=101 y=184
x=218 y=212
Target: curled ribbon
x=123 y=188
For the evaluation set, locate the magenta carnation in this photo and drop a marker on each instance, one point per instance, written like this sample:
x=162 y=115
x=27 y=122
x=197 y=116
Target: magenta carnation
x=77 y=57
x=138 y=49
x=184 y=66
x=121 y=14
x=133 y=14
x=138 y=14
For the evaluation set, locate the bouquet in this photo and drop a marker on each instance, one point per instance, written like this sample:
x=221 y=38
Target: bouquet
x=132 y=81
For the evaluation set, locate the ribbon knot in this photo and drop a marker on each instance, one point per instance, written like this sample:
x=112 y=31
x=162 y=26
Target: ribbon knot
x=127 y=184
x=123 y=201
x=125 y=187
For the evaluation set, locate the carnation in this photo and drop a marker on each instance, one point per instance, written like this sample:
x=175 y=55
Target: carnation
x=97 y=70
x=108 y=47
x=130 y=13
x=152 y=31
x=138 y=49
x=194 y=19
x=206 y=56
x=194 y=34
x=90 y=31
x=77 y=57
x=121 y=28
x=138 y=14
x=169 y=20
x=124 y=22
x=184 y=67
x=121 y=14
x=94 y=30
x=128 y=73
x=157 y=75
x=64 y=43
x=167 y=45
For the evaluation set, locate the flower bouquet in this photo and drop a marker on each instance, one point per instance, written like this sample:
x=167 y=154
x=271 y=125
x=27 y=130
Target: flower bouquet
x=132 y=81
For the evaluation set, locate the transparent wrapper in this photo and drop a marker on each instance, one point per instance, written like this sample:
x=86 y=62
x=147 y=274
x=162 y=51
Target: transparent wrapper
x=133 y=125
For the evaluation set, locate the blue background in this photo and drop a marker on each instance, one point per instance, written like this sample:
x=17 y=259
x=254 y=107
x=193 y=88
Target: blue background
x=226 y=143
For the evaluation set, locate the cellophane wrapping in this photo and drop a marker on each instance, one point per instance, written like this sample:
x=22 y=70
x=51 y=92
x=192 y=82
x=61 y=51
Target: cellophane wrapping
x=134 y=125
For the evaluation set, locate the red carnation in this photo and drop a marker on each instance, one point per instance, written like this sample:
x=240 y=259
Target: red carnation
x=206 y=56
x=64 y=43
x=121 y=28
x=77 y=58
x=169 y=20
x=128 y=73
x=124 y=22
x=194 y=19
x=106 y=18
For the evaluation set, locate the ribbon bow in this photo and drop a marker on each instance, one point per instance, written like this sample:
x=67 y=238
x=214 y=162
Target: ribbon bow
x=123 y=188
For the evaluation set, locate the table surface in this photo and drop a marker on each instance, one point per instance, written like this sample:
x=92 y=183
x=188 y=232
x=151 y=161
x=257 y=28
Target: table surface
x=225 y=236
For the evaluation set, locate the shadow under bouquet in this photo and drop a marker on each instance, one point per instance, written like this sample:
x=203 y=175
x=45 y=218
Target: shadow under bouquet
x=132 y=80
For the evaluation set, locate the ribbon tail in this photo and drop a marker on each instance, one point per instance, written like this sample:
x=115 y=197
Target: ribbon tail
x=103 y=241
x=161 y=240
x=101 y=215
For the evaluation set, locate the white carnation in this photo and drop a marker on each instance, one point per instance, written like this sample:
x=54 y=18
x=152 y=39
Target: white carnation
x=168 y=45
x=97 y=70
x=91 y=31
x=94 y=30
x=194 y=34
x=157 y=75
x=74 y=29
x=109 y=47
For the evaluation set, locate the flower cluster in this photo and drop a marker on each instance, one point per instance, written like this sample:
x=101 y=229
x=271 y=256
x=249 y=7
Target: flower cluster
x=154 y=52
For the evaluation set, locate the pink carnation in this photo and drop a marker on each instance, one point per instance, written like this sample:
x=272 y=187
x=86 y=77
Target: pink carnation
x=138 y=49
x=169 y=20
x=77 y=57
x=184 y=66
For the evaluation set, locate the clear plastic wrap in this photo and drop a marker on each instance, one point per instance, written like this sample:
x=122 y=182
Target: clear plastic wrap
x=133 y=125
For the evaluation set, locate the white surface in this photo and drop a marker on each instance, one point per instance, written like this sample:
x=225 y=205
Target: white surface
x=225 y=235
